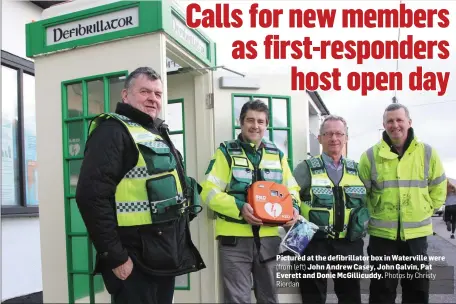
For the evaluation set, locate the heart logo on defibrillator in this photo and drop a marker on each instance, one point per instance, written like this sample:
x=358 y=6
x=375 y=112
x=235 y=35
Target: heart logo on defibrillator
x=273 y=210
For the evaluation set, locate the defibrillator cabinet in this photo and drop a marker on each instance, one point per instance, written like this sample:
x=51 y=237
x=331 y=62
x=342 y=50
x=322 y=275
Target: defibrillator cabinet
x=83 y=51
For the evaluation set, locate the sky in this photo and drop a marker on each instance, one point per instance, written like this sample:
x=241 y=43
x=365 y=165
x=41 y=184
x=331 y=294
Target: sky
x=433 y=117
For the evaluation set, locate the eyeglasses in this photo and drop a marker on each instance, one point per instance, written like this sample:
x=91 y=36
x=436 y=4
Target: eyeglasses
x=331 y=134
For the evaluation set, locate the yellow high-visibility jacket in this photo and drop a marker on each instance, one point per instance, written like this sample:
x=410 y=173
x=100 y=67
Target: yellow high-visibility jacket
x=402 y=194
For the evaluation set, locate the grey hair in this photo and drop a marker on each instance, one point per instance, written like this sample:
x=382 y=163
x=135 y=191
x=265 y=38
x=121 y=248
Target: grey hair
x=333 y=118
x=150 y=73
x=394 y=107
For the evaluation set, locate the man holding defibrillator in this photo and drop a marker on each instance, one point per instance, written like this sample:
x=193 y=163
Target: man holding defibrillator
x=249 y=241
x=334 y=198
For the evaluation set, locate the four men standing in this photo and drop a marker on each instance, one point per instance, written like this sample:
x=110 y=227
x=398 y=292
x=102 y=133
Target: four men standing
x=136 y=202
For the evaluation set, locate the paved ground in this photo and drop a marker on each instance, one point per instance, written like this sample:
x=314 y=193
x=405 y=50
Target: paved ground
x=443 y=288
x=439 y=245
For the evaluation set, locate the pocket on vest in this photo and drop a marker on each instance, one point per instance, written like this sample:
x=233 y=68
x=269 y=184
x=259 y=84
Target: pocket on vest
x=194 y=199
x=357 y=224
x=319 y=217
x=322 y=197
x=272 y=175
x=163 y=199
x=242 y=179
x=355 y=196
x=158 y=157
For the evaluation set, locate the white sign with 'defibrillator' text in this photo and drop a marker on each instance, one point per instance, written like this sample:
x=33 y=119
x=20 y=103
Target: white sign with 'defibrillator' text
x=93 y=26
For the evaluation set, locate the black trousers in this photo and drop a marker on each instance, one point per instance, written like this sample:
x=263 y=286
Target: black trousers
x=139 y=288
x=450 y=216
x=314 y=290
x=414 y=289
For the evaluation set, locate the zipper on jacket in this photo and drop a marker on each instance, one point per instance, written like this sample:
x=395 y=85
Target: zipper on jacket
x=339 y=211
x=339 y=206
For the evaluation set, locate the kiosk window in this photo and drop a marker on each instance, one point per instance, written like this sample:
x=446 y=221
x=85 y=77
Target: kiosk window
x=95 y=96
x=19 y=163
x=279 y=128
x=176 y=122
x=83 y=99
x=74 y=95
x=116 y=84
x=238 y=102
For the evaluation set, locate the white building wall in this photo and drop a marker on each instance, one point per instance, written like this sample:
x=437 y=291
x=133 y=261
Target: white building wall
x=314 y=130
x=15 y=14
x=21 y=256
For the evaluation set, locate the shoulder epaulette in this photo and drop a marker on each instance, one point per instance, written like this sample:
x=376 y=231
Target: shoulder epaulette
x=125 y=119
x=233 y=147
x=351 y=166
x=316 y=165
x=270 y=147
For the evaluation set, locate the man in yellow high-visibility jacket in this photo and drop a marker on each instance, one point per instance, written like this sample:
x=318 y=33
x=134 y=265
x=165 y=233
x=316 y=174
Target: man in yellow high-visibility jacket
x=246 y=246
x=406 y=181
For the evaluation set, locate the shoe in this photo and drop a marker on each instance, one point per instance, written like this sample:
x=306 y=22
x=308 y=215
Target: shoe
x=448 y=226
x=452 y=236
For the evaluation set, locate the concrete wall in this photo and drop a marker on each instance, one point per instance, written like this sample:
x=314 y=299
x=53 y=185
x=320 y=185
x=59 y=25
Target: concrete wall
x=199 y=127
x=182 y=86
x=50 y=72
x=21 y=256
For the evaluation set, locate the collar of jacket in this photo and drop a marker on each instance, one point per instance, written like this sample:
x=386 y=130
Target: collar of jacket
x=327 y=159
x=249 y=147
x=139 y=116
x=387 y=149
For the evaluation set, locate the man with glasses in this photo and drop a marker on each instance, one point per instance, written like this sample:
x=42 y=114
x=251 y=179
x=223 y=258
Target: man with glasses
x=405 y=182
x=334 y=198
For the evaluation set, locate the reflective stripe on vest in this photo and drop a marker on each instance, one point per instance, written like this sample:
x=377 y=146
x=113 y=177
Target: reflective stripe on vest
x=394 y=224
x=404 y=183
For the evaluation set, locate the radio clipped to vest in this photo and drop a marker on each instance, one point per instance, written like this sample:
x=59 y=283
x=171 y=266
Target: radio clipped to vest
x=272 y=203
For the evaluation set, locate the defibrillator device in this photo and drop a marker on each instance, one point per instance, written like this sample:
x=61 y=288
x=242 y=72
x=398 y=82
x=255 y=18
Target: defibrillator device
x=272 y=203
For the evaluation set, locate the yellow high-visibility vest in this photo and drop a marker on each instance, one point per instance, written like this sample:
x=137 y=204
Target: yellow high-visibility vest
x=151 y=191
x=226 y=186
x=336 y=209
